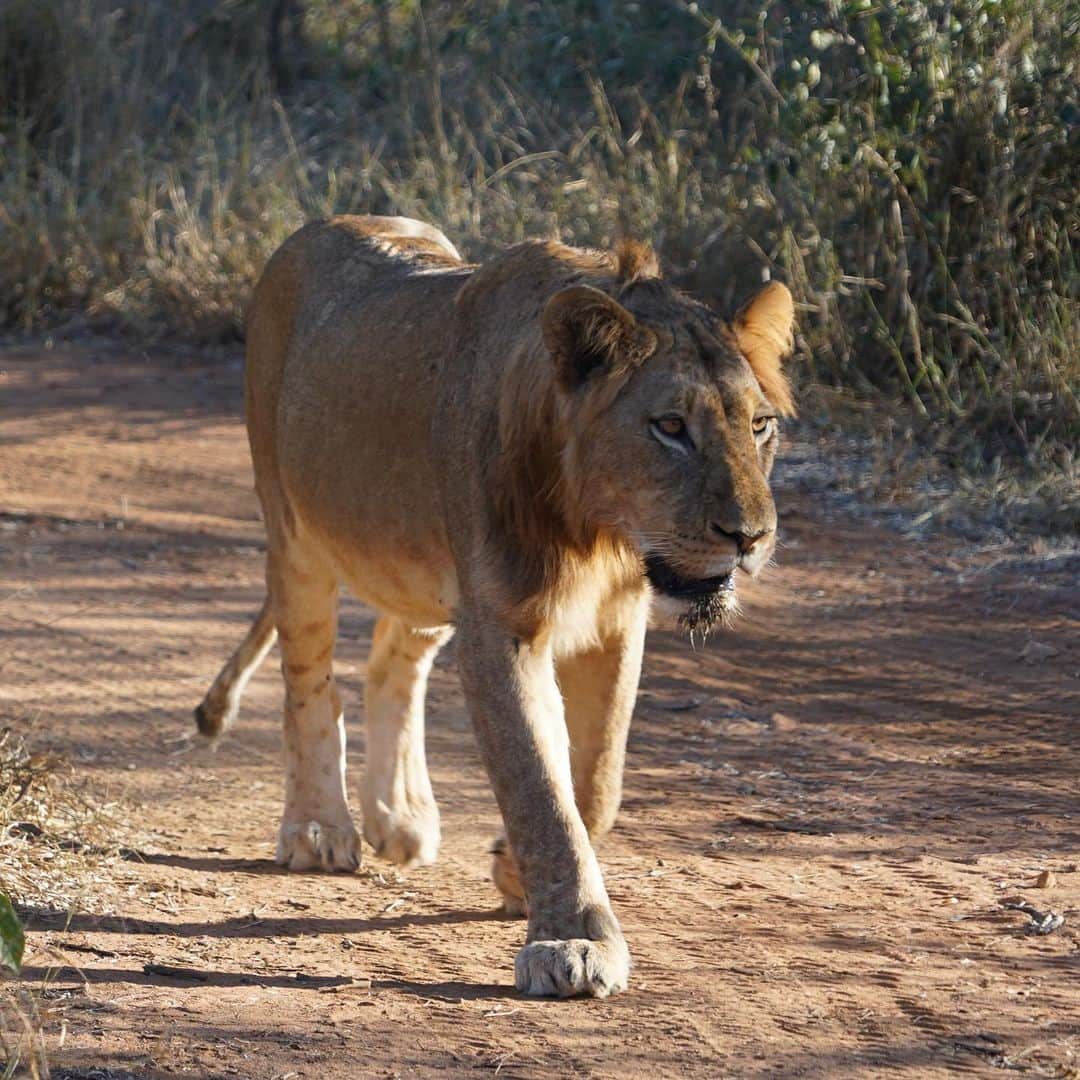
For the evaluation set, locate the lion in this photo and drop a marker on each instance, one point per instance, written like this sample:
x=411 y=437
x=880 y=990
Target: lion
x=524 y=453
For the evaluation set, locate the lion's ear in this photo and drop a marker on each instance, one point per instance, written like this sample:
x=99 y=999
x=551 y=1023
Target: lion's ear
x=586 y=332
x=764 y=329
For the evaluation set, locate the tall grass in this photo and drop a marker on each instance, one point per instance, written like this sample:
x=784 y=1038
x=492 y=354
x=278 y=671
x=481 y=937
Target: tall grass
x=911 y=168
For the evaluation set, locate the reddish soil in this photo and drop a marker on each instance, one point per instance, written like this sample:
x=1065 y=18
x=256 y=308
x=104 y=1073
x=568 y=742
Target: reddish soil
x=825 y=809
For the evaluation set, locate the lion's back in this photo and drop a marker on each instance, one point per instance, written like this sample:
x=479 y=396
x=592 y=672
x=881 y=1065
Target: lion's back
x=329 y=306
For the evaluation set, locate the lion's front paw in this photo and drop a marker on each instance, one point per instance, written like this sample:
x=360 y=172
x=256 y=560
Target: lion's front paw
x=310 y=845
x=406 y=839
x=574 y=967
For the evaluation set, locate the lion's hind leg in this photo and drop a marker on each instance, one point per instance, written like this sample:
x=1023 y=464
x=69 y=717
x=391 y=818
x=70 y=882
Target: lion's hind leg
x=216 y=713
x=507 y=878
x=599 y=690
x=317 y=830
x=401 y=820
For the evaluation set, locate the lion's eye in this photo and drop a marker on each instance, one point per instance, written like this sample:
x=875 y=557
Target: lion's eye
x=672 y=426
x=761 y=425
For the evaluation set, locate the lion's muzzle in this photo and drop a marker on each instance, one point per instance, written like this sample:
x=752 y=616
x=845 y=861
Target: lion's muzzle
x=700 y=603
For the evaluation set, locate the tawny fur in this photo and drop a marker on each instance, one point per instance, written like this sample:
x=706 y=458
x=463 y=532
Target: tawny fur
x=473 y=449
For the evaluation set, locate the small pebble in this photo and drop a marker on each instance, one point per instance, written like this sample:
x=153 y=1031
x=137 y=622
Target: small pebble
x=1037 y=652
x=1046 y=880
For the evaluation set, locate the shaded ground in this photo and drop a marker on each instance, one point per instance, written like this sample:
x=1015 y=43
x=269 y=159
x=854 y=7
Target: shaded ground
x=825 y=809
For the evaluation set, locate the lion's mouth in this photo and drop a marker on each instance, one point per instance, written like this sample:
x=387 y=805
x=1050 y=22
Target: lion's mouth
x=666 y=579
x=708 y=601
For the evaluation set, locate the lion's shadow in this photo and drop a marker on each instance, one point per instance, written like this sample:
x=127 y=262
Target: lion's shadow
x=245 y=926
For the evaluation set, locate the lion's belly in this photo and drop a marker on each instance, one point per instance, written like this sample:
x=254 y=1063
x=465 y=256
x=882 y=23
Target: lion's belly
x=379 y=526
x=413 y=580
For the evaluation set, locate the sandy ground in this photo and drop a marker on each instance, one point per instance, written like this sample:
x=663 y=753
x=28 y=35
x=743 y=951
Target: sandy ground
x=826 y=809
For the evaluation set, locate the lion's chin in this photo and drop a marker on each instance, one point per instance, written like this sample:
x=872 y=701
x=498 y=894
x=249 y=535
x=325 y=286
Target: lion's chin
x=697 y=605
x=699 y=617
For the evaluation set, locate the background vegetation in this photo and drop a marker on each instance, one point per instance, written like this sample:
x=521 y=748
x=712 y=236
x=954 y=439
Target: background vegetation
x=911 y=168
x=57 y=842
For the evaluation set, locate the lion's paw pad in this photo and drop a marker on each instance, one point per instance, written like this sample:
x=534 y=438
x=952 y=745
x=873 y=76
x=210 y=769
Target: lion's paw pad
x=571 y=968
x=311 y=845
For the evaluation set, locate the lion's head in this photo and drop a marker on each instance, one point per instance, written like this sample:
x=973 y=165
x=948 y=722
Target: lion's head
x=670 y=422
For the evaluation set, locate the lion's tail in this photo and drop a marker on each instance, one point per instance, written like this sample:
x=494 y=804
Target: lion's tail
x=216 y=713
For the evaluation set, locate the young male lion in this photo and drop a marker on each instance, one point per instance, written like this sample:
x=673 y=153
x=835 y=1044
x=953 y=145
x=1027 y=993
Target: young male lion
x=524 y=453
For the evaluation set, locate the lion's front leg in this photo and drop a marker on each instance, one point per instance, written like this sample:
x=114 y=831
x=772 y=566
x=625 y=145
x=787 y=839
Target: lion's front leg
x=574 y=944
x=599 y=689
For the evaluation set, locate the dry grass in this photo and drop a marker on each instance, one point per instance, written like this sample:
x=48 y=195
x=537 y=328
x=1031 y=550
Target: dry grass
x=912 y=170
x=57 y=847
x=22 y=1035
x=56 y=842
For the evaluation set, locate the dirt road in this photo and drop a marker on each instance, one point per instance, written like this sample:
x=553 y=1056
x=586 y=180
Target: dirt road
x=825 y=808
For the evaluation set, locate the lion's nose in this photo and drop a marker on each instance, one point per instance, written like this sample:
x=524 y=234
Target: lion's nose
x=743 y=541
